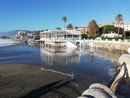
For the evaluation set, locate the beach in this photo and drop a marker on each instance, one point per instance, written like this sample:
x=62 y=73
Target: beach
x=24 y=68
x=18 y=79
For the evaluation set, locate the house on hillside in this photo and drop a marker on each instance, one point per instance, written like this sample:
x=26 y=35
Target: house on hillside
x=24 y=37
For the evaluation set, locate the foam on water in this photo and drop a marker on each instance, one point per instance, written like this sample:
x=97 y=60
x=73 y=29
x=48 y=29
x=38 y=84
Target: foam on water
x=6 y=42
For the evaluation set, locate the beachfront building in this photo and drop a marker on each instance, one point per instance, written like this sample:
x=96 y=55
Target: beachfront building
x=60 y=38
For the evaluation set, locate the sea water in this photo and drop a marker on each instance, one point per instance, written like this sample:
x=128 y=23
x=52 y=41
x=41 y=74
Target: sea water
x=76 y=62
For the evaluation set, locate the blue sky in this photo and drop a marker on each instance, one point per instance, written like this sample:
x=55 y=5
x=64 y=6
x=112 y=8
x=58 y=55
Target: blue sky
x=47 y=14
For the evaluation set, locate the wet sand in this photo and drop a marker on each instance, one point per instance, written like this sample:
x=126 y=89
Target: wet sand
x=17 y=79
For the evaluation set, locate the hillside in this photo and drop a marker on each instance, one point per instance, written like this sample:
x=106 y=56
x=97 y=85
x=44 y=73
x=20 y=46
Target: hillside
x=12 y=33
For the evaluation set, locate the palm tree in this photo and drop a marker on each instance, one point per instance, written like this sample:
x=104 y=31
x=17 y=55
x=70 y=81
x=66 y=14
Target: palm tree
x=64 y=19
x=69 y=26
x=119 y=18
x=58 y=28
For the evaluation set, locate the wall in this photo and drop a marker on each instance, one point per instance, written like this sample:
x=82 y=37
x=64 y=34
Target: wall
x=117 y=46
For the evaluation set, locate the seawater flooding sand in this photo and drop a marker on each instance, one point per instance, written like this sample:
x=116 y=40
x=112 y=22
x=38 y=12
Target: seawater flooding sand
x=23 y=68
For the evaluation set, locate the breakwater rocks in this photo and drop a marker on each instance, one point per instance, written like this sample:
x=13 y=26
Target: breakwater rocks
x=113 y=46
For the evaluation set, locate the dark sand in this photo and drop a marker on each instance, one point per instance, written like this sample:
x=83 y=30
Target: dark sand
x=17 y=79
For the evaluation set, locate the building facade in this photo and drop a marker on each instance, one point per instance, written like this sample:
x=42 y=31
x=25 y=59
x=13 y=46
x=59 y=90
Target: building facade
x=60 y=38
x=124 y=25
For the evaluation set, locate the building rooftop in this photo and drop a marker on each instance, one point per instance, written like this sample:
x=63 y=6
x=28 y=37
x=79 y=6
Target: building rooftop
x=68 y=32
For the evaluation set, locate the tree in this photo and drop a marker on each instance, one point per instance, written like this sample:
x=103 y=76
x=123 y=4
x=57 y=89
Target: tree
x=64 y=19
x=127 y=33
x=69 y=27
x=84 y=36
x=58 y=28
x=107 y=29
x=93 y=29
x=76 y=27
x=119 y=18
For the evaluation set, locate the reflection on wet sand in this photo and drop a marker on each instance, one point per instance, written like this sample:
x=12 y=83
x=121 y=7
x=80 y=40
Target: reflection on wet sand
x=81 y=62
x=108 y=56
x=63 y=56
x=97 y=61
x=59 y=56
x=112 y=56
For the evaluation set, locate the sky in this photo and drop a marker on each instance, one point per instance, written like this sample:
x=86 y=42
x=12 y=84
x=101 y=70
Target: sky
x=47 y=14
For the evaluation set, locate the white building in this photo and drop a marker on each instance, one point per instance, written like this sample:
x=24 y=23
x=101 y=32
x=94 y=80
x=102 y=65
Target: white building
x=105 y=24
x=20 y=34
x=60 y=38
x=60 y=35
x=124 y=25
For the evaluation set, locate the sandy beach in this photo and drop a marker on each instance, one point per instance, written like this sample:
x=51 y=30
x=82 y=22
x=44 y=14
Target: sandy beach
x=18 y=79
